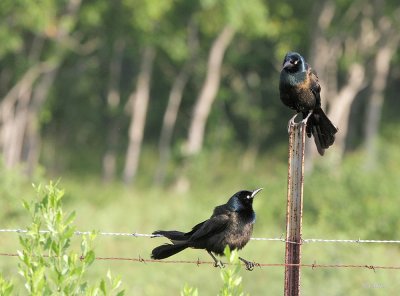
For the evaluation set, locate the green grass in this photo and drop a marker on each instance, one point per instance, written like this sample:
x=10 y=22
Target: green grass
x=345 y=203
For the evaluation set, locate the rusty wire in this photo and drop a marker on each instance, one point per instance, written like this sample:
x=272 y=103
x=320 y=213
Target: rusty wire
x=200 y=262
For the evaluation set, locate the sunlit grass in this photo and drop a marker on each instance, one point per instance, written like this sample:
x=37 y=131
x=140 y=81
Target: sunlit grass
x=349 y=203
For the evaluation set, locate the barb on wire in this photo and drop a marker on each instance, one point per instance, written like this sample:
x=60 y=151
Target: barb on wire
x=281 y=239
x=199 y=262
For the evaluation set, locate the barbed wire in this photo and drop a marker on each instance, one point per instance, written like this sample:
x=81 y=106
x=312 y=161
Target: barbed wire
x=281 y=239
x=200 y=262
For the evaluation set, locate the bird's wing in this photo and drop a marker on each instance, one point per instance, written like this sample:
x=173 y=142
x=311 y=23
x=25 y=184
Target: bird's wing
x=210 y=227
x=194 y=229
x=314 y=84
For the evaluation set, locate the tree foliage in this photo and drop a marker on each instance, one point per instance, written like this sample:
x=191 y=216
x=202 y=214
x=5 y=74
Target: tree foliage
x=69 y=72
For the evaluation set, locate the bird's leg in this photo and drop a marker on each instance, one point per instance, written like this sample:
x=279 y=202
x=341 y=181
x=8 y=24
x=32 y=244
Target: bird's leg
x=307 y=117
x=217 y=263
x=291 y=122
x=249 y=265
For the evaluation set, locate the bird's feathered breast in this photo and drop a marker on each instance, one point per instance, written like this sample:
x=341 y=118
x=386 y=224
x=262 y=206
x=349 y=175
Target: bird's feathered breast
x=300 y=90
x=240 y=229
x=288 y=79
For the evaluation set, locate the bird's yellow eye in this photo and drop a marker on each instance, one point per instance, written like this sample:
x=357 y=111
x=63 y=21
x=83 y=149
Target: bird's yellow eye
x=295 y=62
x=248 y=196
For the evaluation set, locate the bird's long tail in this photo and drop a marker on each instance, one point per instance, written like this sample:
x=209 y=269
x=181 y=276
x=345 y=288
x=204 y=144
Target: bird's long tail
x=167 y=250
x=322 y=129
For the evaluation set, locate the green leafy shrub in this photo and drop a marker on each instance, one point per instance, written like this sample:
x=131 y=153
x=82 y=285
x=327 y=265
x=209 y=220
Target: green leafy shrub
x=232 y=281
x=189 y=291
x=6 y=287
x=48 y=264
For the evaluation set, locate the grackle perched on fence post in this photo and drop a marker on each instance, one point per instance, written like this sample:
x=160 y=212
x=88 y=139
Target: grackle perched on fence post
x=300 y=90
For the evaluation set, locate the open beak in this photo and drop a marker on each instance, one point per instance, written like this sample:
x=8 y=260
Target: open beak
x=255 y=192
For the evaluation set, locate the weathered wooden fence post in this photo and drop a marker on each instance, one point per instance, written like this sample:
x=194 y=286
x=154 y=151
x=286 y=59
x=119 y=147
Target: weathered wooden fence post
x=294 y=211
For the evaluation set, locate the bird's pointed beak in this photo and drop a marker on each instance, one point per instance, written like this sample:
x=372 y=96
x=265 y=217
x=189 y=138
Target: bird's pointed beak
x=287 y=64
x=255 y=192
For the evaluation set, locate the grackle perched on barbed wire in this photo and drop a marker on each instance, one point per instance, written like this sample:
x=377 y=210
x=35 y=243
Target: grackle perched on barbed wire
x=300 y=90
x=230 y=224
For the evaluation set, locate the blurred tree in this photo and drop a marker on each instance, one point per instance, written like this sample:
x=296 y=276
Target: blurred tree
x=347 y=37
x=387 y=28
x=113 y=104
x=139 y=100
x=174 y=102
x=81 y=75
x=227 y=17
x=45 y=38
x=114 y=23
x=146 y=17
x=329 y=44
x=209 y=90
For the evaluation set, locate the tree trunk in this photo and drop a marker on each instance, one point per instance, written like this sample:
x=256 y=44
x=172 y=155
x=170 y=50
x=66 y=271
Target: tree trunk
x=340 y=105
x=139 y=99
x=374 y=108
x=16 y=128
x=13 y=115
x=208 y=91
x=174 y=102
x=113 y=103
x=169 y=120
x=33 y=142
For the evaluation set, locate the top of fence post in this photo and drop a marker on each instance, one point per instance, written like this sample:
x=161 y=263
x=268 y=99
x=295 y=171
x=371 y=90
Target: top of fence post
x=294 y=208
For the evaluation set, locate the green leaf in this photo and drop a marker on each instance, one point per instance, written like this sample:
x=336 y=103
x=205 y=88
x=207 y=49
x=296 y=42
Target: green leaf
x=189 y=291
x=89 y=257
x=70 y=219
x=103 y=287
x=6 y=287
x=26 y=205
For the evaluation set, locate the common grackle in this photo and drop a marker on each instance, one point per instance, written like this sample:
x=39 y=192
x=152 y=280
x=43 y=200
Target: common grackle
x=300 y=90
x=230 y=224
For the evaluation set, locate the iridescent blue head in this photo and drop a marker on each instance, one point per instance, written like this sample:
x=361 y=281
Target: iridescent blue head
x=294 y=62
x=242 y=200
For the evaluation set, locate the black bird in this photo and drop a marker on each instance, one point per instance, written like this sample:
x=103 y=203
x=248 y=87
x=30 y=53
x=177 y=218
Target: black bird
x=300 y=90
x=230 y=224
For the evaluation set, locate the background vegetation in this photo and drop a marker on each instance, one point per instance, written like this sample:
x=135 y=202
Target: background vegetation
x=153 y=112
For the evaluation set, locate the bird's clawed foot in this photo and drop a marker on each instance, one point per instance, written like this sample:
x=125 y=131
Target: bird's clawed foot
x=304 y=121
x=249 y=265
x=219 y=264
x=291 y=122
